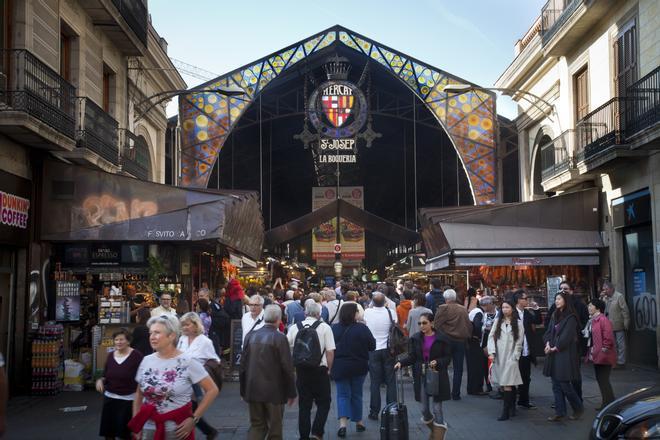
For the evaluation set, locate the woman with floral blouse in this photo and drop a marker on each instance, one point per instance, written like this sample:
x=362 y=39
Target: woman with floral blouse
x=162 y=407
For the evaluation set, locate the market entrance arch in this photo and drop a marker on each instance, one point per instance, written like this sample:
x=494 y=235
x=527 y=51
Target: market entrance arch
x=436 y=149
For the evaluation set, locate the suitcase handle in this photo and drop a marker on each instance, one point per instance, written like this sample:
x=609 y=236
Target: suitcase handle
x=399 y=386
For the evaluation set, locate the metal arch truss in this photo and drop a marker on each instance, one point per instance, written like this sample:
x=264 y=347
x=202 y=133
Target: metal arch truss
x=468 y=119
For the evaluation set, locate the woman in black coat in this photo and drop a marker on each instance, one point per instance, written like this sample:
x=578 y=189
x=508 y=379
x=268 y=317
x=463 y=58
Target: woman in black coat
x=432 y=349
x=562 y=359
x=353 y=342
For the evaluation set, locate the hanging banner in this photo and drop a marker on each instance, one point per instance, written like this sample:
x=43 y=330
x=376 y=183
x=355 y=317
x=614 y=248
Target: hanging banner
x=324 y=235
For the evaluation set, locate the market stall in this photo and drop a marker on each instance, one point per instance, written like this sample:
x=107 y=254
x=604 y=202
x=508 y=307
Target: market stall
x=519 y=245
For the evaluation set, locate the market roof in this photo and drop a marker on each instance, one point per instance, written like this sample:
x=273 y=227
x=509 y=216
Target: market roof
x=552 y=231
x=82 y=204
x=373 y=223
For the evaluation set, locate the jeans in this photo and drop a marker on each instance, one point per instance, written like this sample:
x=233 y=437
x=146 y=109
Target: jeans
x=525 y=367
x=313 y=386
x=349 y=397
x=381 y=369
x=457 y=355
x=437 y=416
x=620 y=338
x=603 y=379
x=265 y=421
x=565 y=391
x=417 y=381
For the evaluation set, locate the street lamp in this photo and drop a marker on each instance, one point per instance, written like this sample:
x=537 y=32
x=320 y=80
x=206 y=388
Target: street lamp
x=464 y=88
x=169 y=94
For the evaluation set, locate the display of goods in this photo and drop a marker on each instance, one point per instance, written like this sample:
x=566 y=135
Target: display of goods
x=47 y=366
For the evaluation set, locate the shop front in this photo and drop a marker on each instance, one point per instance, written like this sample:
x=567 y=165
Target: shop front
x=631 y=216
x=15 y=223
x=116 y=244
x=531 y=245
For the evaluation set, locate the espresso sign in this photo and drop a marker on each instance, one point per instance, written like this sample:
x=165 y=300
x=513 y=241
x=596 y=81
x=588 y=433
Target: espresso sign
x=337 y=151
x=105 y=255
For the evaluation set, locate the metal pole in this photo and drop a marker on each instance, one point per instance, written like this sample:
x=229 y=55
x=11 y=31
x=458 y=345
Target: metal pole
x=261 y=162
x=415 y=154
x=270 y=175
x=338 y=234
x=405 y=177
x=458 y=184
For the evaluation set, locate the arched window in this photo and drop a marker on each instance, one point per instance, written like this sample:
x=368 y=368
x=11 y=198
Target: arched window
x=142 y=157
x=541 y=160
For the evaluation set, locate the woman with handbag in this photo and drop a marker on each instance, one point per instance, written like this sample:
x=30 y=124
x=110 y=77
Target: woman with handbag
x=562 y=358
x=353 y=341
x=431 y=348
x=198 y=346
x=602 y=350
x=504 y=348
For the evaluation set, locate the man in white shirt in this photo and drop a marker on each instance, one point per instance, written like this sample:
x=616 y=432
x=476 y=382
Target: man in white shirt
x=313 y=383
x=381 y=364
x=332 y=304
x=528 y=319
x=164 y=308
x=254 y=319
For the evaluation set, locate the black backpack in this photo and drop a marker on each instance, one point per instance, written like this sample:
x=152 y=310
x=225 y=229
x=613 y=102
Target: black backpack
x=307 y=346
x=397 y=341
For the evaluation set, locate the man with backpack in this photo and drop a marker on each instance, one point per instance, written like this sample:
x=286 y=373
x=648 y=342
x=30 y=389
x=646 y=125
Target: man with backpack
x=435 y=298
x=381 y=320
x=313 y=348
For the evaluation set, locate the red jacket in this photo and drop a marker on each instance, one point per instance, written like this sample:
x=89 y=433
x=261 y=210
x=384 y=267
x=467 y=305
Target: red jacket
x=602 y=336
x=147 y=412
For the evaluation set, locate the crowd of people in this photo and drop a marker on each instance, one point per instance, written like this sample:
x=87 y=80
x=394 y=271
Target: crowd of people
x=295 y=344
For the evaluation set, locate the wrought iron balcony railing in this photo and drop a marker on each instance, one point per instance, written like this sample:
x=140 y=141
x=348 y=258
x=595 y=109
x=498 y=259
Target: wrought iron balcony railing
x=134 y=155
x=554 y=14
x=643 y=106
x=555 y=158
x=601 y=129
x=97 y=130
x=135 y=13
x=30 y=86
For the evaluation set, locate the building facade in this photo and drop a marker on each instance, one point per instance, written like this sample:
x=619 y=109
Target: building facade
x=76 y=80
x=587 y=76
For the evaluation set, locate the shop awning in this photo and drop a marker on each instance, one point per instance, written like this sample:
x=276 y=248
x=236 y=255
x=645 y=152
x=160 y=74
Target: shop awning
x=371 y=222
x=81 y=204
x=561 y=230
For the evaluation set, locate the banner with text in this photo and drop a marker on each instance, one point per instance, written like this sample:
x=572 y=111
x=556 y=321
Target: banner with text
x=324 y=236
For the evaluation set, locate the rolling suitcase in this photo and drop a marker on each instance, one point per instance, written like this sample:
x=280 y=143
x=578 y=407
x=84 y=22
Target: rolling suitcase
x=394 y=417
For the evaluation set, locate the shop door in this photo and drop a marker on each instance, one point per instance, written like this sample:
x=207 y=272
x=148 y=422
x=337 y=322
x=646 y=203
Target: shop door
x=6 y=287
x=640 y=294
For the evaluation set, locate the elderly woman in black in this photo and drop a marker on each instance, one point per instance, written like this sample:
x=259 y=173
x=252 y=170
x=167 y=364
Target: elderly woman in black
x=432 y=349
x=562 y=359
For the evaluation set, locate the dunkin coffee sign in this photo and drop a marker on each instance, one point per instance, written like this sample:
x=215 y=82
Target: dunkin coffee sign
x=14 y=210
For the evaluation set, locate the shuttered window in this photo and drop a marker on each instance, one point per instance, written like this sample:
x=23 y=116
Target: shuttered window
x=581 y=93
x=625 y=60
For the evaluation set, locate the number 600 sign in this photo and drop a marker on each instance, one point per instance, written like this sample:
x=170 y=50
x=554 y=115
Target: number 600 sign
x=645 y=312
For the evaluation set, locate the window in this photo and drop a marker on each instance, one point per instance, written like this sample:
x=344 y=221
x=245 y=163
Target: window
x=109 y=89
x=65 y=56
x=625 y=59
x=581 y=82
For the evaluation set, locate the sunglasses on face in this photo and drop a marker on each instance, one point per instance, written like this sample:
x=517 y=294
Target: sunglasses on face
x=423 y=323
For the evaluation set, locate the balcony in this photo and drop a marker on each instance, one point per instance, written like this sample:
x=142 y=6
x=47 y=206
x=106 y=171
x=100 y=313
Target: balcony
x=37 y=106
x=643 y=111
x=564 y=23
x=558 y=170
x=125 y=22
x=135 y=158
x=97 y=132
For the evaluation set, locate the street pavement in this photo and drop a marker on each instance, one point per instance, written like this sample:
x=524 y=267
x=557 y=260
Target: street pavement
x=37 y=418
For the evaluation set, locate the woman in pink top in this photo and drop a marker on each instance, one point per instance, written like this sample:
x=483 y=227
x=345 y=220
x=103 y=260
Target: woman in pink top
x=602 y=351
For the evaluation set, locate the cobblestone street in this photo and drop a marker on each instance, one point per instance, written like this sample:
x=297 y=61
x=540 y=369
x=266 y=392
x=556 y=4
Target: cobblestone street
x=472 y=417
